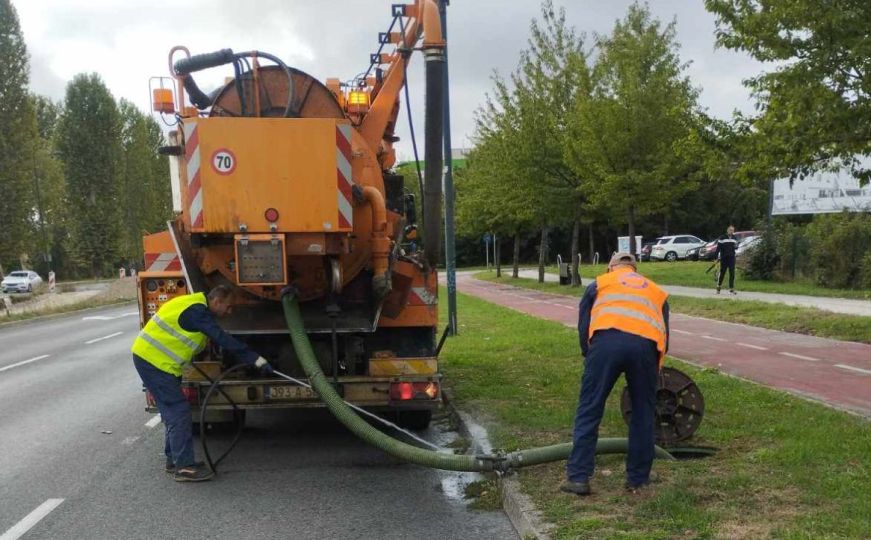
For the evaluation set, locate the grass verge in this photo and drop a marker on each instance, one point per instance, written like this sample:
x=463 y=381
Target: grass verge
x=118 y=292
x=800 y=320
x=787 y=468
x=692 y=274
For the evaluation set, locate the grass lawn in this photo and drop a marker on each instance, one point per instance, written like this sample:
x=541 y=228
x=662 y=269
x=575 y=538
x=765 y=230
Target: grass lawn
x=801 y=320
x=692 y=274
x=787 y=468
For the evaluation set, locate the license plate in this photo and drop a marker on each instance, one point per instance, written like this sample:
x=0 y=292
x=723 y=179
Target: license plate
x=289 y=392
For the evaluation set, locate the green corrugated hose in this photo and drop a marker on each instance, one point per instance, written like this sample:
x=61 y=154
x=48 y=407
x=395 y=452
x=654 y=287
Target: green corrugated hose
x=407 y=452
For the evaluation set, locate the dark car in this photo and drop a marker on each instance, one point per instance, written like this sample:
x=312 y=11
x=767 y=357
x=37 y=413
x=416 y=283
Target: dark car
x=708 y=252
x=693 y=254
x=645 y=250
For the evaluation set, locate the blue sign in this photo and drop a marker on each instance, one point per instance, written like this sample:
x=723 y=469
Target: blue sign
x=487 y=239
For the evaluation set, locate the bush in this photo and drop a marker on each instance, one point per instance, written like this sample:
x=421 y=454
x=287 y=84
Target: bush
x=866 y=271
x=839 y=247
x=762 y=259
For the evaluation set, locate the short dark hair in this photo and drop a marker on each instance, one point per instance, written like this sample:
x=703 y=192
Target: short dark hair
x=221 y=292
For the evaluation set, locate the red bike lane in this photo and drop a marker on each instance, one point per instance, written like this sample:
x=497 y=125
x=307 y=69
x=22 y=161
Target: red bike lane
x=837 y=373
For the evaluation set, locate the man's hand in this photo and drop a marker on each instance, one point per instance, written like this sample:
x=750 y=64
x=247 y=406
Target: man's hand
x=263 y=366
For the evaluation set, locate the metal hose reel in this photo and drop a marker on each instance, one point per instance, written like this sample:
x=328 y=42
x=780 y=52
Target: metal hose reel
x=680 y=407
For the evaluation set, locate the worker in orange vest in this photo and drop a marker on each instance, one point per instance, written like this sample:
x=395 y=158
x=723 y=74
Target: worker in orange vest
x=623 y=328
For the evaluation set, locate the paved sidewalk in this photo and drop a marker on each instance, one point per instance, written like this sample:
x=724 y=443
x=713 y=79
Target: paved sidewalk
x=846 y=306
x=837 y=373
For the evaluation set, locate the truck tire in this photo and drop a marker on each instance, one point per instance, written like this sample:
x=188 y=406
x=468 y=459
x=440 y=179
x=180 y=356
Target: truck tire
x=414 y=420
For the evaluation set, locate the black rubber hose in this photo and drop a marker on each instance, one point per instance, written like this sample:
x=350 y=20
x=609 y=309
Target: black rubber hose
x=213 y=464
x=199 y=62
x=200 y=99
x=433 y=157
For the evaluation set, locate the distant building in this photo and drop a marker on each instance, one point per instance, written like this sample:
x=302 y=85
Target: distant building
x=821 y=193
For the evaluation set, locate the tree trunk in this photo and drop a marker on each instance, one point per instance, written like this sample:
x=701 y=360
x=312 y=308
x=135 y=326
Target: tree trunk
x=542 y=254
x=592 y=244
x=576 y=259
x=515 y=271
x=631 y=219
x=497 y=254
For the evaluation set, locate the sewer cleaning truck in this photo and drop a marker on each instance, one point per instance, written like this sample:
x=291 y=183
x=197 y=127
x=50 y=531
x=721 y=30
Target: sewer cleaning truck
x=280 y=179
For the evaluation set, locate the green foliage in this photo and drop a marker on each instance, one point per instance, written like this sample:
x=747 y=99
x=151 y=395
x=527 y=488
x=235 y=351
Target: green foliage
x=815 y=101
x=840 y=244
x=763 y=258
x=88 y=142
x=17 y=142
x=631 y=137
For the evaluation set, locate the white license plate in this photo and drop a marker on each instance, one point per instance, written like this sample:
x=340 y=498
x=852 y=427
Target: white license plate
x=289 y=392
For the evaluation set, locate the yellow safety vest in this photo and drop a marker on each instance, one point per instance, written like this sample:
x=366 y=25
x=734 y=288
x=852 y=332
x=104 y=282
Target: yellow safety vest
x=164 y=343
x=628 y=301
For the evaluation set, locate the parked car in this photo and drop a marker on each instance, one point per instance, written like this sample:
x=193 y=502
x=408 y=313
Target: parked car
x=708 y=252
x=693 y=254
x=645 y=250
x=747 y=244
x=20 y=281
x=672 y=248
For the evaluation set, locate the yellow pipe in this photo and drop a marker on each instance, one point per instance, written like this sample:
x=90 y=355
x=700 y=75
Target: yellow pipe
x=380 y=241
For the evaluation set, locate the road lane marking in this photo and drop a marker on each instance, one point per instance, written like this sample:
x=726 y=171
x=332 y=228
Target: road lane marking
x=682 y=332
x=34 y=359
x=130 y=440
x=800 y=357
x=712 y=338
x=19 y=529
x=749 y=346
x=104 y=337
x=108 y=318
x=153 y=422
x=853 y=368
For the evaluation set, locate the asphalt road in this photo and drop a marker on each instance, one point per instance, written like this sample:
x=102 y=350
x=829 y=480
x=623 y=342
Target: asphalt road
x=66 y=382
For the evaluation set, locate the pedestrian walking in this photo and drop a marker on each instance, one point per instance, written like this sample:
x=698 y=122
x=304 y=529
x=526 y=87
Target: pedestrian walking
x=623 y=328
x=726 y=247
x=168 y=342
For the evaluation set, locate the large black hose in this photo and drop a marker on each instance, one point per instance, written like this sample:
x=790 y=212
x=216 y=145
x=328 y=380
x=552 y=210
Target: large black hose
x=434 y=114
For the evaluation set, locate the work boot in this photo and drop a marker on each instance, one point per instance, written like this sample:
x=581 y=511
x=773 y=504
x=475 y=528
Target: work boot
x=193 y=473
x=636 y=488
x=733 y=291
x=575 y=488
x=170 y=466
x=718 y=290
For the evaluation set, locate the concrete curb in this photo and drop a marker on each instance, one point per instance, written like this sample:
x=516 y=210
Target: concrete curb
x=517 y=506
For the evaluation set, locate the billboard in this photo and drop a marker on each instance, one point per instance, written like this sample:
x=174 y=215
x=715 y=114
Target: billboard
x=821 y=193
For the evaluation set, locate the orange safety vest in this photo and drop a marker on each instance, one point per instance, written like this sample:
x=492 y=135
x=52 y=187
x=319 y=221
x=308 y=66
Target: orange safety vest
x=628 y=301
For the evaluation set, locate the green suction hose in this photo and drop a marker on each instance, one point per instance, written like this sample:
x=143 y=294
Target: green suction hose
x=407 y=452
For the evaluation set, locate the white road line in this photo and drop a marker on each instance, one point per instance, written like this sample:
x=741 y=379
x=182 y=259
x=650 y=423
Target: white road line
x=800 y=357
x=104 y=337
x=853 y=368
x=153 y=422
x=130 y=440
x=109 y=318
x=712 y=338
x=19 y=529
x=34 y=359
x=675 y=330
x=749 y=346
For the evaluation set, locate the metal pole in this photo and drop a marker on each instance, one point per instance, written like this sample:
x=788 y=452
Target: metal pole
x=450 y=252
x=487 y=252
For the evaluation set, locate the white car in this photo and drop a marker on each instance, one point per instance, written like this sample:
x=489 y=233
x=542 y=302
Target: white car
x=20 y=281
x=672 y=248
x=747 y=244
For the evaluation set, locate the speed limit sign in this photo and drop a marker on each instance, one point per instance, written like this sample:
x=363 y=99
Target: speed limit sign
x=223 y=161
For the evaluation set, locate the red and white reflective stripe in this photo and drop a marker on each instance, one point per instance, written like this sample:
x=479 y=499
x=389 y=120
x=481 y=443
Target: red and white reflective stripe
x=421 y=296
x=192 y=158
x=160 y=262
x=343 y=175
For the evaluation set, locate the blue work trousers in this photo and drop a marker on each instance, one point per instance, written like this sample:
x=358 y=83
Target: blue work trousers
x=611 y=353
x=175 y=411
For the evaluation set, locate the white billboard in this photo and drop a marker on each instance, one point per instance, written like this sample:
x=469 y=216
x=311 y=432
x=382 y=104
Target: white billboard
x=821 y=193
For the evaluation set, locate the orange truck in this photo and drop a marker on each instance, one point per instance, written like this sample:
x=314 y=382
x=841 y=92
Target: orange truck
x=279 y=179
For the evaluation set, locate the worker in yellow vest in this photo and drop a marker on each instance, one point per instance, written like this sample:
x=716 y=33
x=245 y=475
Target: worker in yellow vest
x=164 y=347
x=623 y=328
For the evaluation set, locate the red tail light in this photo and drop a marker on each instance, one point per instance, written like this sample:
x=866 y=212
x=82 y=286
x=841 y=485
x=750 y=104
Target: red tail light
x=191 y=394
x=405 y=391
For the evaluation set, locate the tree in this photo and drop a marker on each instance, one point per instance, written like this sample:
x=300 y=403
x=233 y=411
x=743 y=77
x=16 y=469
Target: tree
x=17 y=140
x=88 y=142
x=816 y=103
x=629 y=137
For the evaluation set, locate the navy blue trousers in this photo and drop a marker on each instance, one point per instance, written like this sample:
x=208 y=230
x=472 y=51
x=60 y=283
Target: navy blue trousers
x=611 y=353
x=175 y=411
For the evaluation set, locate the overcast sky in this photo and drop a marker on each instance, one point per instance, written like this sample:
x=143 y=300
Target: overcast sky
x=127 y=41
